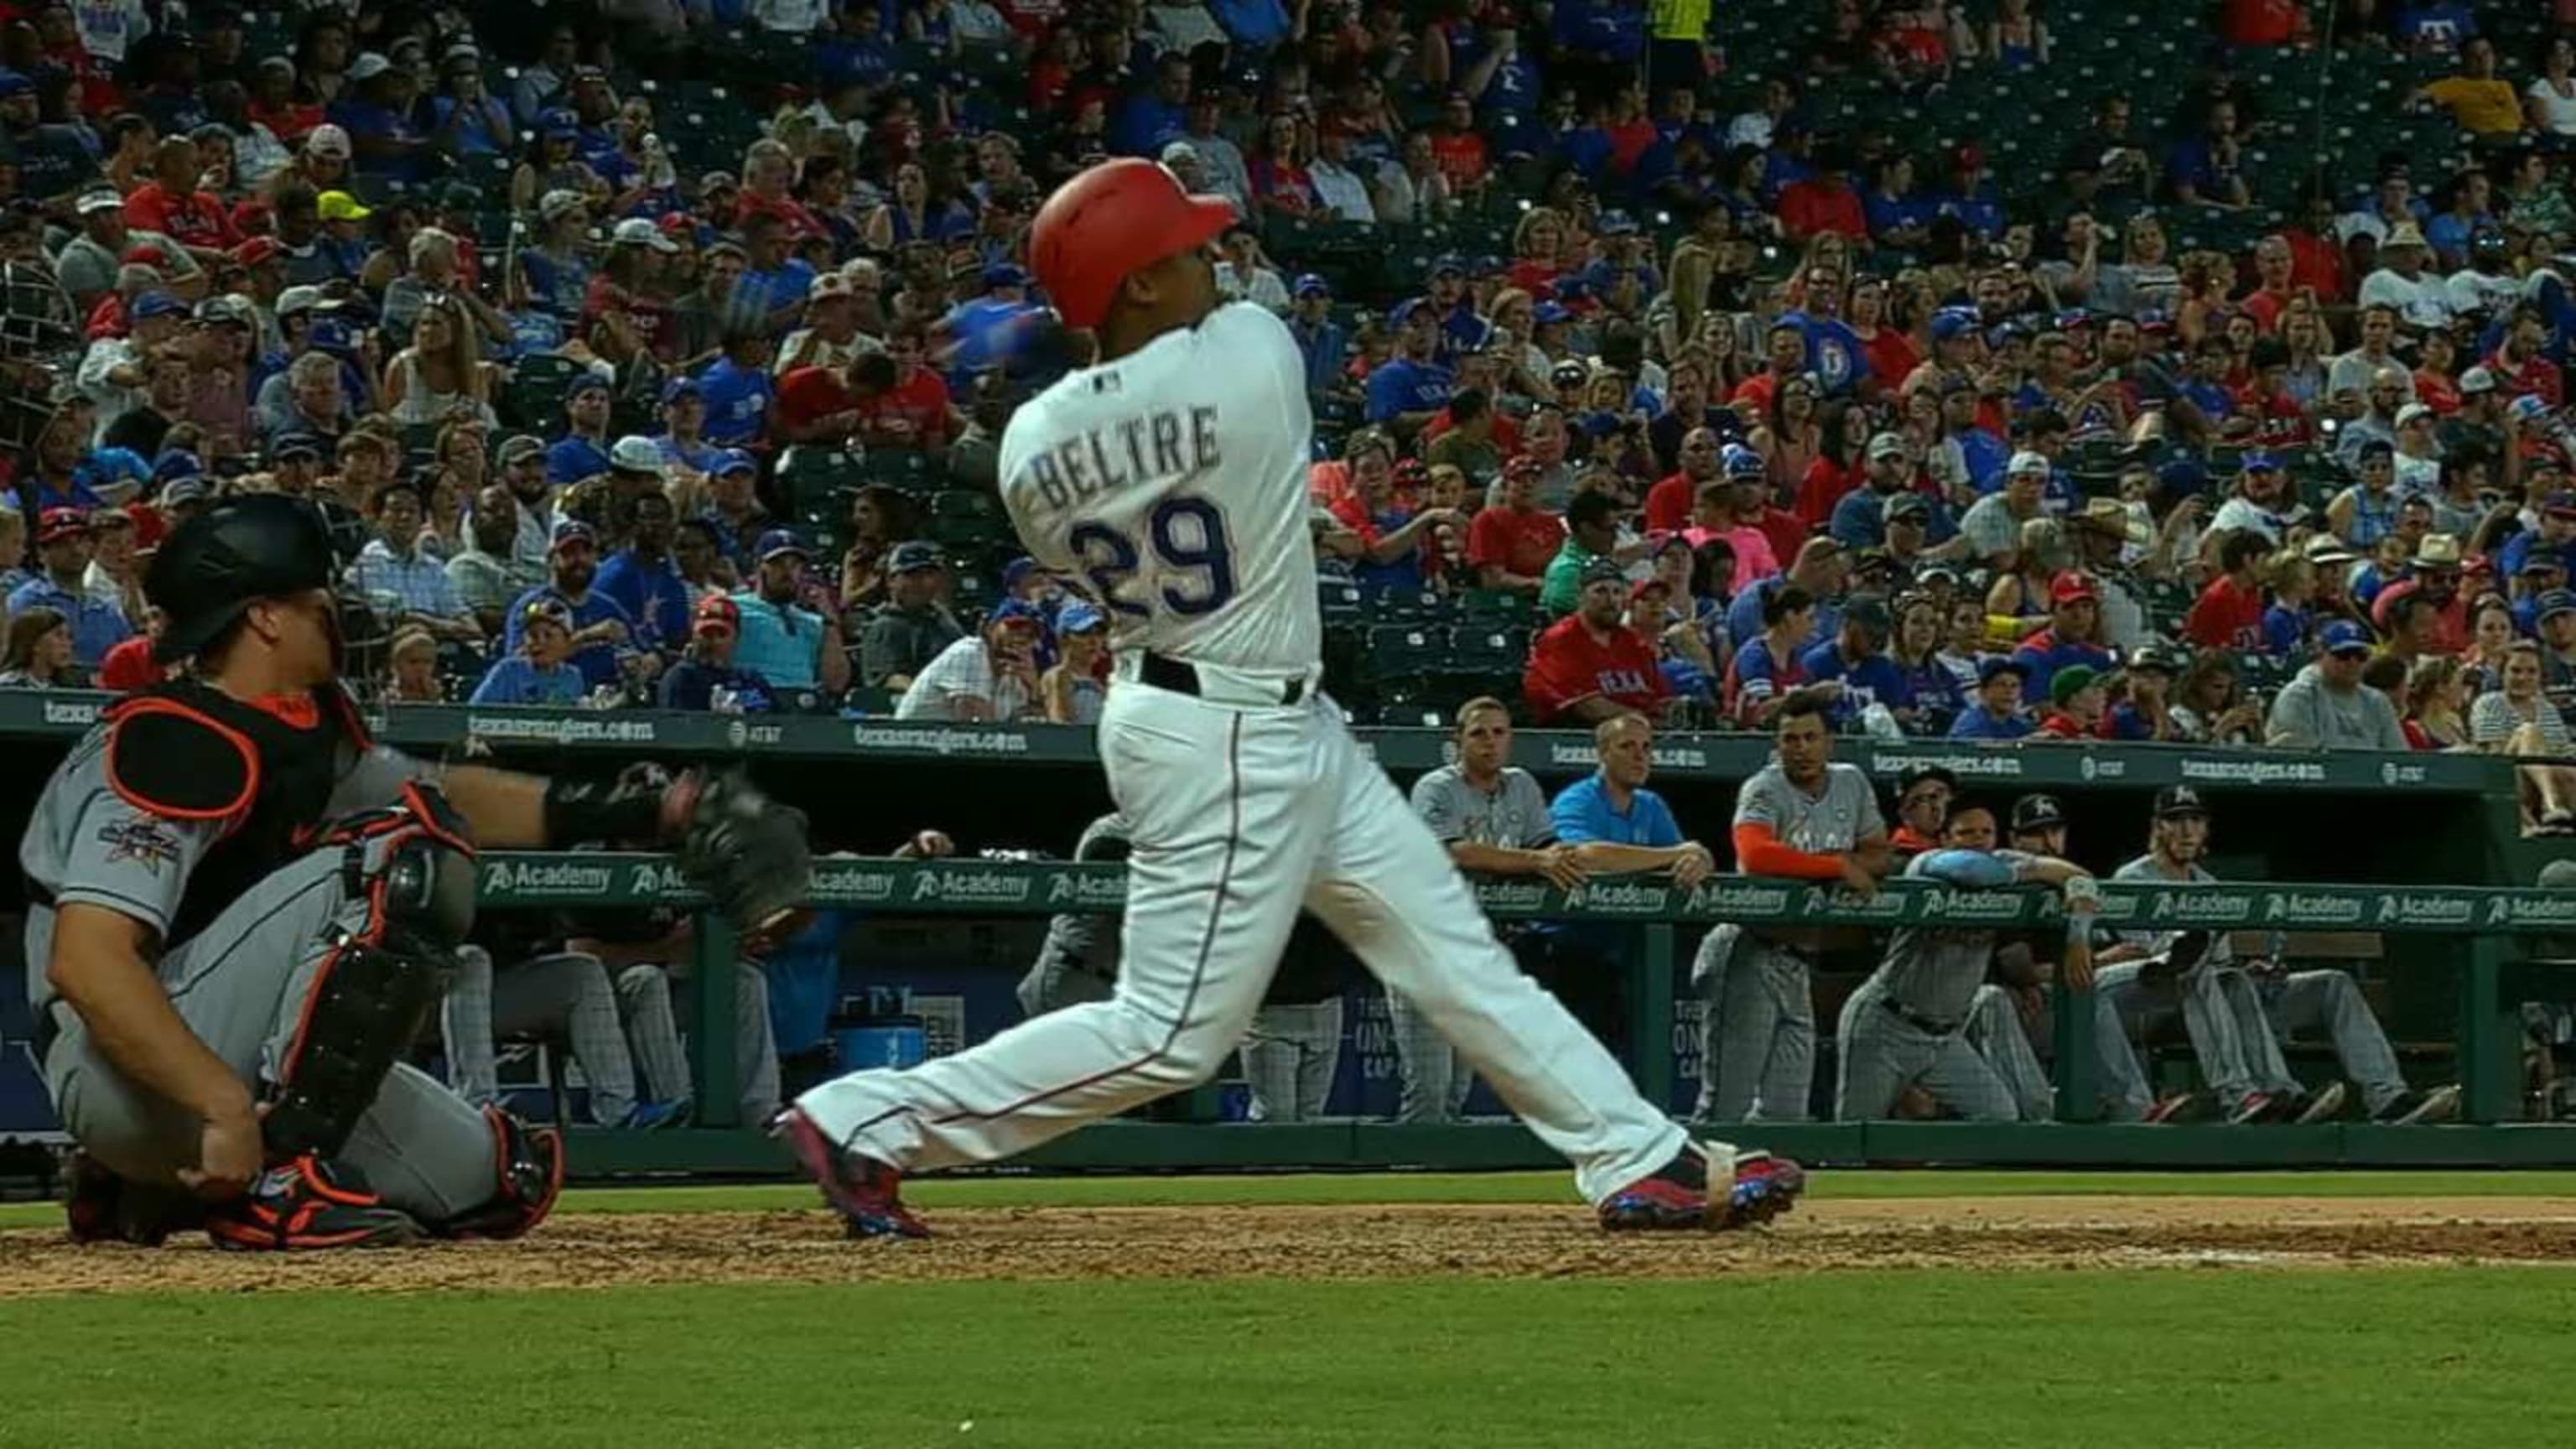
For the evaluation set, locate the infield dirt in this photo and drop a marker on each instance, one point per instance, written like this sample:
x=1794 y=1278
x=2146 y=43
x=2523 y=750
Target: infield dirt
x=609 y=1250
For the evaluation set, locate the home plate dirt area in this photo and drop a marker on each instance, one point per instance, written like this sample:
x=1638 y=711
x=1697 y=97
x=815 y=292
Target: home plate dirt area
x=602 y=1250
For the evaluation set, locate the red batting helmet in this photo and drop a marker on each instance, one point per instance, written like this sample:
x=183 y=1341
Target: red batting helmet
x=1109 y=222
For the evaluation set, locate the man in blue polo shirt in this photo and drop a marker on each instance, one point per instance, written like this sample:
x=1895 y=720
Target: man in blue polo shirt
x=1617 y=827
x=601 y=630
x=1409 y=388
x=782 y=641
x=1856 y=658
x=63 y=543
x=582 y=452
x=1995 y=714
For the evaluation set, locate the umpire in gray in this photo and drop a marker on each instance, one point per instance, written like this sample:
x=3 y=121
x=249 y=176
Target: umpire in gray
x=242 y=910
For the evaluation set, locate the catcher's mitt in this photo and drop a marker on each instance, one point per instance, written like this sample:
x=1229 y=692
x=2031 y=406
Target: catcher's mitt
x=740 y=847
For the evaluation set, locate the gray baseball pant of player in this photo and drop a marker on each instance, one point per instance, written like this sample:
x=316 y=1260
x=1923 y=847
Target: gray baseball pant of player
x=2222 y=1014
x=1878 y=1054
x=1994 y=1028
x=1757 y=1039
x=240 y=984
x=1289 y=1058
x=566 y=992
x=1432 y=1080
x=645 y=997
x=2330 y=1002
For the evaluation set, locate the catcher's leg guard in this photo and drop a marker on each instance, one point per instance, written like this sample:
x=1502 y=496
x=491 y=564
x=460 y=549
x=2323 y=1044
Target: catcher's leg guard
x=374 y=990
x=531 y=1163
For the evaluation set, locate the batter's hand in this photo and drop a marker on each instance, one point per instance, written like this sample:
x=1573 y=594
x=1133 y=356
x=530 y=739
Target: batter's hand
x=1563 y=867
x=230 y=1156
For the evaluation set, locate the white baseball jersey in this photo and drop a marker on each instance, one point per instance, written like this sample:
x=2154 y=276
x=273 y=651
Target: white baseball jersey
x=1171 y=484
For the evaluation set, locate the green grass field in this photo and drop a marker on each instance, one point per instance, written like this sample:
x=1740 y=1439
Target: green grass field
x=1847 y=1359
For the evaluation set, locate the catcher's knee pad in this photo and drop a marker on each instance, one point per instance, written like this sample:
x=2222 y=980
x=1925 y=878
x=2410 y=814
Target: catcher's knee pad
x=375 y=989
x=530 y=1162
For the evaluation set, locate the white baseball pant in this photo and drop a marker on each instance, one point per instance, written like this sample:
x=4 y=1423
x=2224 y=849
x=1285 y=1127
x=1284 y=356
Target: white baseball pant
x=1242 y=813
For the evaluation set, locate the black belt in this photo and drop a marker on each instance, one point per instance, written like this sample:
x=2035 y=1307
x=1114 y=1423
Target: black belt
x=1932 y=1026
x=1180 y=677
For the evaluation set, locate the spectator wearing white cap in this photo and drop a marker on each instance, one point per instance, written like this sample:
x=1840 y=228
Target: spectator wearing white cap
x=2418 y=460
x=1992 y=525
x=2420 y=296
x=87 y=265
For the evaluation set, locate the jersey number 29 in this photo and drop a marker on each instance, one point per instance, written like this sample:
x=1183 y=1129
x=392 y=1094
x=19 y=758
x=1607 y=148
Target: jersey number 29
x=1188 y=538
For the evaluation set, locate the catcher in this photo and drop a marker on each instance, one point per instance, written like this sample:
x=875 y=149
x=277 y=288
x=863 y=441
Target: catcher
x=242 y=910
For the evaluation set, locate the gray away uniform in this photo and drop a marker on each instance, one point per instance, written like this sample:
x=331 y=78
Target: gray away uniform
x=2221 y=1012
x=240 y=982
x=1433 y=1080
x=1758 y=1036
x=1910 y=1023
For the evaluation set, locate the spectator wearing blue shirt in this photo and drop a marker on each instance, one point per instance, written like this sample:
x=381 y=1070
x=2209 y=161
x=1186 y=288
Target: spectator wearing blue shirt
x=737 y=390
x=1835 y=353
x=643 y=580
x=64 y=545
x=1616 y=826
x=2206 y=387
x=708 y=666
x=534 y=672
x=371 y=108
x=1156 y=116
x=1855 y=666
x=782 y=641
x=1255 y=25
x=2143 y=715
x=1972 y=196
x=1860 y=517
x=2556 y=537
x=582 y=452
x=1995 y=714
x=1319 y=338
x=2073 y=635
x=683 y=439
x=988 y=328
x=600 y=628
x=1407 y=389
x=2201 y=169
x=2439 y=28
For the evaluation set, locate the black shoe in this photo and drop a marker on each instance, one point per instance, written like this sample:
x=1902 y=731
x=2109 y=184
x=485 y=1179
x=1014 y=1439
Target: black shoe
x=306 y=1204
x=2419 y=1109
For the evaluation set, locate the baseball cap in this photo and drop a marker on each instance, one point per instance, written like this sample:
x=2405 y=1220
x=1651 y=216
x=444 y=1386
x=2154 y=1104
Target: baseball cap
x=1886 y=445
x=155 y=304
x=736 y=460
x=780 y=541
x=1450 y=264
x=368 y=66
x=1402 y=312
x=1602 y=571
x=287 y=447
x=328 y=139
x=913 y=557
x=1950 y=322
x=105 y=198
x=2259 y=461
x=2376 y=448
x=582 y=382
x=2561 y=502
x=2477 y=379
x=1987 y=669
x=1548 y=314
x=13 y=83
x=1016 y=612
x=558 y=123
x=298 y=299
x=2153 y=658
x=56 y=523
x=2071 y=681
x=341 y=206
x=1868 y=612
x=1737 y=461
x=635 y=454
x=2343 y=636
x=2037 y=812
x=1638 y=590
x=1003 y=274
x=1904 y=506
x=571 y=531
x=678 y=388
x=2556 y=601
x=829 y=287
x=1078 y=617
x=519 y=446
x=1916 y=774
x=716 y=611
x=2027 y=461
x=2070 y=586
x=1312 y=285
x=1107 y=222
x=2411 y=412
x=183 y=490
x=2542 y=561
x=176 y=463
x=559 y=203
x=641 y=231
x=1569 y=373
x=2174 y=801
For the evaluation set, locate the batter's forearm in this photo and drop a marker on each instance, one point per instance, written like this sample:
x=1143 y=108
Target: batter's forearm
x=97 y=965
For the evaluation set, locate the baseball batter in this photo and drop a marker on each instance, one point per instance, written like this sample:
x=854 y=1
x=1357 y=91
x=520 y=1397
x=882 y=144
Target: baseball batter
x=1907 y=1024
x=1804 y=817
x=242 y=911
x=1170 y=477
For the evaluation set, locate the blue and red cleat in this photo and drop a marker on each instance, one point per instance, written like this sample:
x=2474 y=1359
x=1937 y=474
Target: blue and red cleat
x=1680 y=1195
x=865 y=1192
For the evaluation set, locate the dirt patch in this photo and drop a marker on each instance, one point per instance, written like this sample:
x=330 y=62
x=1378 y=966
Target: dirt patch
x=605 y=1250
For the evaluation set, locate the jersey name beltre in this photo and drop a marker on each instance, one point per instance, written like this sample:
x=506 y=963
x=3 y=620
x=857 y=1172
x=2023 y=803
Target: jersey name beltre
x=1156 y=447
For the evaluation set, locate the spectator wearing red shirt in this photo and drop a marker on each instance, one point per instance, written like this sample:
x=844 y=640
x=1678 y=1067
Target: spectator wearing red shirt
x=1509 y=544
x=1670 y=503
x=2229 y=613
x=1458 y=146
x=2263 y=22
x=913 y=410
x=2279 y=421
x=171 y=204
x=1787 y=359
x=2520 y=366
x=1589 y=666
x=1824 y=202
x=2075 y=699
x=821 y=404
x=2316 y=256
x=2273 y=289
